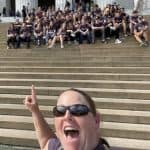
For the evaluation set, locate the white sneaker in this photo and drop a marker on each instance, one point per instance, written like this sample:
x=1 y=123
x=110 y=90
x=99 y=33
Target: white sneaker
x=117 y=41
x=62 y=46
x=125 y=35
x=76 y=42
x=51 y=46
x=8 y=47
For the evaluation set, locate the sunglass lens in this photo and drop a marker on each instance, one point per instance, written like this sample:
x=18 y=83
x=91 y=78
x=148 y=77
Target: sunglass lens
x=76 y=110
x=79 y=110
x=59 y=111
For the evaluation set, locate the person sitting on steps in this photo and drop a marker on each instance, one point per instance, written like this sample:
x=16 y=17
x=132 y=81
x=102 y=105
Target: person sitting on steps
x=141 y=30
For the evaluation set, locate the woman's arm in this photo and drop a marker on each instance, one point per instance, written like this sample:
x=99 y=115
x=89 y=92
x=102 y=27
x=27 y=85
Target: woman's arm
x=43 y=131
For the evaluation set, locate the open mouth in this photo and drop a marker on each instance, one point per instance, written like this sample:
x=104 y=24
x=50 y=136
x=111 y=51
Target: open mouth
x=71 y=132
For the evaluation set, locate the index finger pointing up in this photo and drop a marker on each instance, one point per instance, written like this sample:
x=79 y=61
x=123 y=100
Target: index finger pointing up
x=33 y=94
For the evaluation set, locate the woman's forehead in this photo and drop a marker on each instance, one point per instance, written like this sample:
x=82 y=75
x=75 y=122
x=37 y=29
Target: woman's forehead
x=71 y=97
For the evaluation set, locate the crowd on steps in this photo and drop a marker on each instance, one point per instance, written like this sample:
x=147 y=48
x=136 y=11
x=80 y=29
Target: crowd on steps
x=46 y=26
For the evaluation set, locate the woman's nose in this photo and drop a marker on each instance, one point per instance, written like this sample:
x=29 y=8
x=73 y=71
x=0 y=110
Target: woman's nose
x=68 y=115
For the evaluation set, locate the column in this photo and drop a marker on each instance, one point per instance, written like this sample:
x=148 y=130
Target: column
x=103 y=3
x=28 y=3
x=138 y=5
x=2 y=4
x=127 y=4
x=146 y=7
x=60 y=4
x=71 y=4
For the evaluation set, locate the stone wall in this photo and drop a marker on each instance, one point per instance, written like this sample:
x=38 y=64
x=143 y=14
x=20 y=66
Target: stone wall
x=2 y=4
x=127 y=4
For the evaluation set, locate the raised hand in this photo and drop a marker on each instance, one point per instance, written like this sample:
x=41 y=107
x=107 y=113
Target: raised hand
x=31 y=101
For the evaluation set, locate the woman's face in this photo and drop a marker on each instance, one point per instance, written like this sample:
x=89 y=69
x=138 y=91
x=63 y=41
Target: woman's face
x=82 y=130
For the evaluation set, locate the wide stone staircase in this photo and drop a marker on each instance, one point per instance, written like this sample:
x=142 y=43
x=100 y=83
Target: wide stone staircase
x=116 y=76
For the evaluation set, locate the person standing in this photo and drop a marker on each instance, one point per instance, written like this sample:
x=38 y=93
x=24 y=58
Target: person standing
x=4 y=11
x=24 y=13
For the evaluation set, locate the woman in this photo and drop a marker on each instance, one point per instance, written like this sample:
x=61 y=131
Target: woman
x=76 y=122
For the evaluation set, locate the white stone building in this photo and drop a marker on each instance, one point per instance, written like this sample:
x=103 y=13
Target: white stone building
x=13 y=6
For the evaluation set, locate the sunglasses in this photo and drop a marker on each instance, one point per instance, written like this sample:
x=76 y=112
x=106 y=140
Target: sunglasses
x=75 y=110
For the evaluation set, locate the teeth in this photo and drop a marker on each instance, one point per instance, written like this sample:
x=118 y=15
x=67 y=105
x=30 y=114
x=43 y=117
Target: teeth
x=71 y=131
x=70 y=128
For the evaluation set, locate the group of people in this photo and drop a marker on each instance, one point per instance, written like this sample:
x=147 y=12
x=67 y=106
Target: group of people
x=76 y=119
x=47 y=26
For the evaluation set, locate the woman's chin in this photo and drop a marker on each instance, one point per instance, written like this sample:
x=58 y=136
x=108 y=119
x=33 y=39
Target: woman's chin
x=71 y=143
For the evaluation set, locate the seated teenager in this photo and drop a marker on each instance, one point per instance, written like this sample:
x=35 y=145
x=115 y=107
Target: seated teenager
x=84 y=32
x=11 y=36
x=133 y=21
x=70 y=32
x=141 y=31
x=38 y=34
x=98 y=25
x=50 y=33
x=24 y=36
x=59 y=36
x=115 y=28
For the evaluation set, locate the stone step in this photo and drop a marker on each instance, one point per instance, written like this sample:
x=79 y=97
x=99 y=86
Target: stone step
x=56 y=53
x=125 y=130
x=97 y=92
x=83 y=63
x=129 y=144
x=128 y=42
x=112 y=129
x=19 y=137
x=126 y=70
x=98 y=46
x=75 y=76
x=139 y=52
x=73 y=59
x=135 y=46
x=103 y=103
x=80 y=57
x=107 y=84
x=109 y=115
x=86 y=52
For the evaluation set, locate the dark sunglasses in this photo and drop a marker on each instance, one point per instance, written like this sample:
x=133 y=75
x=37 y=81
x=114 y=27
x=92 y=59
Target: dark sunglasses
x=75 y=110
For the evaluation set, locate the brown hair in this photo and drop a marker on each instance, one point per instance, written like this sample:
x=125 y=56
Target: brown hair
x=88 y=99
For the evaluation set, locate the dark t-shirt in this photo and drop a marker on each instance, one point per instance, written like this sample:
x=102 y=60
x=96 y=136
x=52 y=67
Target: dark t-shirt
x=84 y=27
x=134 y=18
x=140 y=26
x=54 y=144
x=98 y=24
